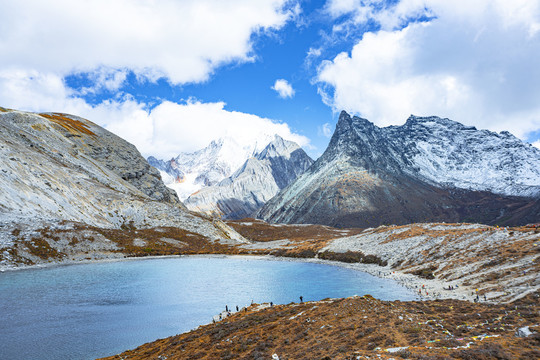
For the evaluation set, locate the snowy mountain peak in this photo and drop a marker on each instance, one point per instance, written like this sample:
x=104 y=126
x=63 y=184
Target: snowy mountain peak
x=346 y=122
x=190 y=172
x=434 y=122
x=258 y=179
x=442 y=152
x=279 y=147
x=429 y=169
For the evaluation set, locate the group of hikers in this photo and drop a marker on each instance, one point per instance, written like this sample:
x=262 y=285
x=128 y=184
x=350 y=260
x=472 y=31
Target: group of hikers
x=228 y=312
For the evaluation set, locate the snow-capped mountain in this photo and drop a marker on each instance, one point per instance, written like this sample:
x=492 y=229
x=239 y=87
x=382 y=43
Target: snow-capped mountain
x=189 y=172
x=445 y=152
x=168 y=169
x=429 y=169
x=254 y=183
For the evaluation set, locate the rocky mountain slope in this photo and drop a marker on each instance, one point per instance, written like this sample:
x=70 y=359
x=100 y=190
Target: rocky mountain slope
x=57 y=167
x=254 y=183
x=445 y=152
x=189 y=172
x=429 y=169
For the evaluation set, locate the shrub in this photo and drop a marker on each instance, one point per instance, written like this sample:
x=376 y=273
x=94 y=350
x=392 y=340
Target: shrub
x=425 y=273
x=352 y=257
x=485 y=352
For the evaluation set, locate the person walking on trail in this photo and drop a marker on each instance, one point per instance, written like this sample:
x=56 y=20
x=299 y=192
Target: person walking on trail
x=301 y=299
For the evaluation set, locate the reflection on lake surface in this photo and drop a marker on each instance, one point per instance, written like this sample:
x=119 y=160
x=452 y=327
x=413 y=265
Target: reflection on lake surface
x=93 y=310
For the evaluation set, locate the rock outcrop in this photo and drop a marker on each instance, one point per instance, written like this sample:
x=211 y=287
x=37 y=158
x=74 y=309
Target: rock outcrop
x=429 y=169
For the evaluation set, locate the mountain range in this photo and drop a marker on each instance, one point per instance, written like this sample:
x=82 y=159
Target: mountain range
x=187 y=173
x=57 y=167
x=254 y=183
x=232 y=181
x=429 y=169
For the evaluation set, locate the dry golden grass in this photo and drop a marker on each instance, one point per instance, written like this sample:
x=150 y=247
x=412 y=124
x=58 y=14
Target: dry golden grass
x=361 y=326
x=71 y=125
x=258 y=230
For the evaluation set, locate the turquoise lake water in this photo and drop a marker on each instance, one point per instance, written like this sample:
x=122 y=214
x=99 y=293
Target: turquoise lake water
x=93 y=310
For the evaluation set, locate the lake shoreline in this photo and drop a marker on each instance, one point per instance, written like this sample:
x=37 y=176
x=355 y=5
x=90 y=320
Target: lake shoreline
x=133 y=302
x=430 y=289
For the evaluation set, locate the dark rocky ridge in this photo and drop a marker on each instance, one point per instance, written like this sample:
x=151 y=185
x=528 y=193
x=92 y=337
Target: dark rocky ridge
x=370 y=176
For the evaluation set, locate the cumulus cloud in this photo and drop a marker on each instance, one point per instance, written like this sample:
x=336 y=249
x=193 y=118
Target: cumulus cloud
x=183 y=41
x=283 y=88
x=105 y=79
x=472 y=61
x=164 y=131
x=191 y=126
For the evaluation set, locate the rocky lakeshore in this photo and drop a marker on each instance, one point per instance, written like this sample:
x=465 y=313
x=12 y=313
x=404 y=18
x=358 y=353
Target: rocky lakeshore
x=438 y=261
x=470 y=276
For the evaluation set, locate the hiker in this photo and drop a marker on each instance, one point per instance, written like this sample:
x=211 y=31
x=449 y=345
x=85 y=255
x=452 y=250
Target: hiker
x=301 y=299
x=271 y=304
x=236 y=308
x=226 y=308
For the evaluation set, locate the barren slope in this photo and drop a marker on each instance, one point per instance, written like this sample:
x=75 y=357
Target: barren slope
x=58 y=167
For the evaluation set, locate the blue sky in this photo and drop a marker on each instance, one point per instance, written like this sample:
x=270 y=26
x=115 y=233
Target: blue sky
x=170 y=76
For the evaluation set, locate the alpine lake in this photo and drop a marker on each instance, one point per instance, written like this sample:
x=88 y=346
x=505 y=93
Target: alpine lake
x=86 y=311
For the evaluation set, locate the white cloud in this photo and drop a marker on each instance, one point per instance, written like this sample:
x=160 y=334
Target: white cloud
x=166 y=130
x=283 y=88
x=325 y=130
x=183 y=41
x=475 y=62
x=314 y=52
x=191 y=126
x=105 y=79
x=536 y=144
